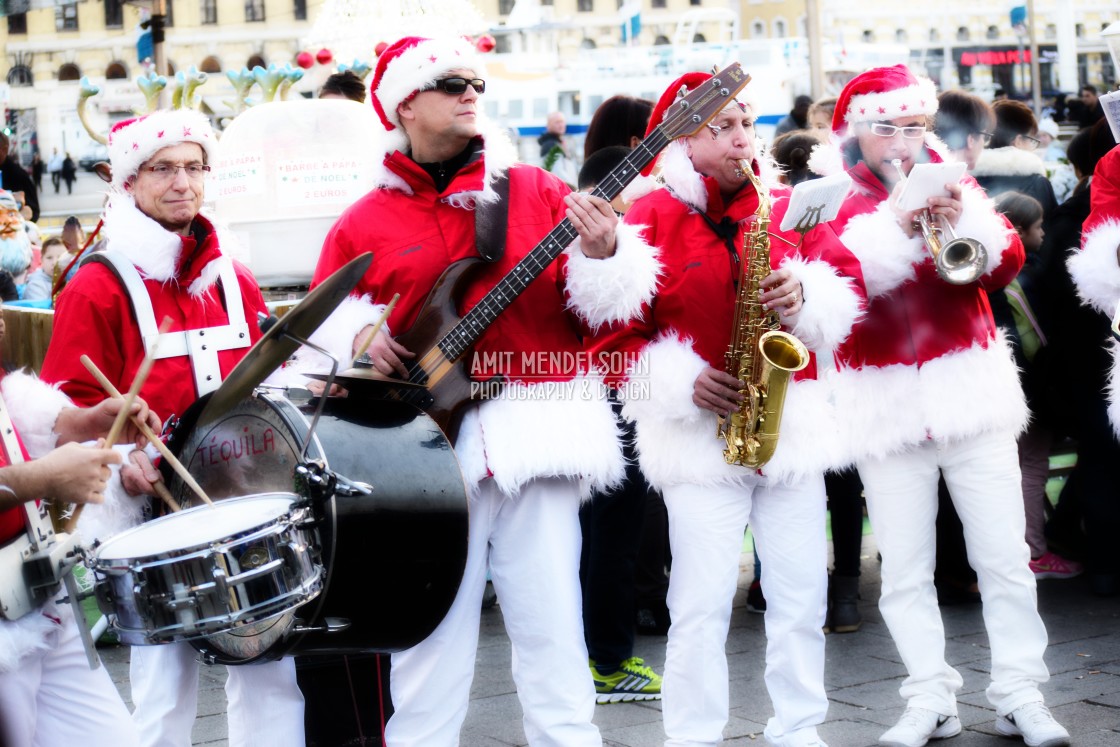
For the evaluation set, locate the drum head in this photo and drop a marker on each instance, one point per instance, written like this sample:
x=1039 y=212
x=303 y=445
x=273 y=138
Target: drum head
x=195 y=527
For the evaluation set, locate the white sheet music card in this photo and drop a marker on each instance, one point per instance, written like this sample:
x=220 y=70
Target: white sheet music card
x=816 y=201
x=928 y=180
x=1110 y=102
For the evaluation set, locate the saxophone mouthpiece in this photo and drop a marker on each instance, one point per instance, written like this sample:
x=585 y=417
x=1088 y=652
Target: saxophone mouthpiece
x=743 y=168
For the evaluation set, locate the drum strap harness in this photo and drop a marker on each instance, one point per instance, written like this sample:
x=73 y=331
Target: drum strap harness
x=202 y=345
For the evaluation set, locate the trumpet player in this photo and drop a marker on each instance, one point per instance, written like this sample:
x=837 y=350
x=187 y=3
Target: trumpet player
x=677 y=388
x=925 y=384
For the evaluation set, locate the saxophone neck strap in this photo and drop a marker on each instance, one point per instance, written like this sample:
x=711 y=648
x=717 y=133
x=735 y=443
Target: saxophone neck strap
x=727 y=230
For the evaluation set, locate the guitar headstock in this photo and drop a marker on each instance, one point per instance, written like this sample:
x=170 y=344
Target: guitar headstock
x=688 y=114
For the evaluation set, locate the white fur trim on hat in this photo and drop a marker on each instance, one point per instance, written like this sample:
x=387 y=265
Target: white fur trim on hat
x=133 y=144
x=1094 y=268
x=605 y=291
x=920 y=98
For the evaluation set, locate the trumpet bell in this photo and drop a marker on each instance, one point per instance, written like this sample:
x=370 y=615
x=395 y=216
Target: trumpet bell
x=961 y=261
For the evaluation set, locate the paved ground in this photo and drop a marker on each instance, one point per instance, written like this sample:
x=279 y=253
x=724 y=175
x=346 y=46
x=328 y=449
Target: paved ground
x=863 y=673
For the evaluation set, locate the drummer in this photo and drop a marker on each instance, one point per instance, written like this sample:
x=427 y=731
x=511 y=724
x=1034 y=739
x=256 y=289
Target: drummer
x=166 y=260
x=48 y=693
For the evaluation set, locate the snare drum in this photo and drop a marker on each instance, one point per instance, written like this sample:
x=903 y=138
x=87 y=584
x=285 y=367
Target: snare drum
x=237 y=569
x=393 y=558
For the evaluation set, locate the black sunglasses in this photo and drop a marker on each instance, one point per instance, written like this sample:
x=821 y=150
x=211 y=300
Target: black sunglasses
x=458 y=85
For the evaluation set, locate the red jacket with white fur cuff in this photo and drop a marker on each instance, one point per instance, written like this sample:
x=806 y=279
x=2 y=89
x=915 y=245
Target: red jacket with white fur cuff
x=612 y=290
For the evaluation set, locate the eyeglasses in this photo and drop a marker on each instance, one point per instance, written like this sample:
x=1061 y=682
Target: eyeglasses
x=1032 y=142
x=913 y=132
x=986 y=137
x=459 y=85
x=166 y=172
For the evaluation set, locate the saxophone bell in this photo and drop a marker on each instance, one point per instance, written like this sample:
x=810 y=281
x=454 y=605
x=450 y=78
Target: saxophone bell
x=959 y=260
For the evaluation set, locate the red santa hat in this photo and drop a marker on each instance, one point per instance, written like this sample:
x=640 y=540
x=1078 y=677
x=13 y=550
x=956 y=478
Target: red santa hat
x=413 y=64
x=678 y=89
x=134 y=141
x=881 y=94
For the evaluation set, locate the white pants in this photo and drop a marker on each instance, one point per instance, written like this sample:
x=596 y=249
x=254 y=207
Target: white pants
x=53 y=698
x=982 y=474
x=706 y=526
x=265 y=706
x=531 y=544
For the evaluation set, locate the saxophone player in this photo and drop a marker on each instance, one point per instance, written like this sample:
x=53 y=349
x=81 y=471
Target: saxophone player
x=925 y=383
x=678 y=388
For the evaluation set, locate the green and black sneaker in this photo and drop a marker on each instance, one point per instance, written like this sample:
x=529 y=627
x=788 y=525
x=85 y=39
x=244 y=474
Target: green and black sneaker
x=633 y=680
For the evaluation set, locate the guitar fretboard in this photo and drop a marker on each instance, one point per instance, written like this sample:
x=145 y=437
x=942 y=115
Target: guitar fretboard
x=464 y=334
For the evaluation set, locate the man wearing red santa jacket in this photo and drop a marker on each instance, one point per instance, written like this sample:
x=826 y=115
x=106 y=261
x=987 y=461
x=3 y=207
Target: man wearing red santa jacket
x=48 y=693
x=167 y=261
x=529 y=454
x=1095 y=270
x=676 y=387
x=925 y=384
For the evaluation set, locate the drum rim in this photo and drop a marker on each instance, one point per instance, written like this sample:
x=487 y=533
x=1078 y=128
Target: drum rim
x=204 y=547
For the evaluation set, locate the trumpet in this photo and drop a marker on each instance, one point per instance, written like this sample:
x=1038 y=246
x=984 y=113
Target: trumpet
x=959 y=260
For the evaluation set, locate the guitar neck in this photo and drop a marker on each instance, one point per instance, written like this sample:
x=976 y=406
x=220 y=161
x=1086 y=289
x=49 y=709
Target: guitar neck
x=466 y=332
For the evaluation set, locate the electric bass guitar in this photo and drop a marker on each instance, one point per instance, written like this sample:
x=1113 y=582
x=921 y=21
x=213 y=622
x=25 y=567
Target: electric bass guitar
x=441 y=338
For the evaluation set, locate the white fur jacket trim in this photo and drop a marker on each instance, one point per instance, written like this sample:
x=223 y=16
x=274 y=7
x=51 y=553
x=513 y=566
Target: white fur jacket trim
x=547 y=429
x=892 y=408
x=886 y=254
x=34 y=406
x=1094 y=268
x=336 y=335
x=832 y=304
x=1008 y=161
x=35 y=631
x=613 y=290
x=676 y=439
x=152 y=248
x=119 y=511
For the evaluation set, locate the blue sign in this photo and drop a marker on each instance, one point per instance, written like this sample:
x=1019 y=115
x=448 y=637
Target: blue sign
x=1019 y=15
x=144 y=48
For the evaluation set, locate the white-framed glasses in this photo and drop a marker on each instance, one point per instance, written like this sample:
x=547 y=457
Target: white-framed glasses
x=913 y=132
x=166 y=172
x=717 y=130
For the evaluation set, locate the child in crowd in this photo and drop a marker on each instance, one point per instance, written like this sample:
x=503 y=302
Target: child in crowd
x=1013 y=312
x=39 y=282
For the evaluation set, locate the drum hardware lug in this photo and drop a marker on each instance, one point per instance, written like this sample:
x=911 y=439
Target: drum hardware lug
x=350 y=488
x=315 y=481
x=330 y=625
x=221 y=581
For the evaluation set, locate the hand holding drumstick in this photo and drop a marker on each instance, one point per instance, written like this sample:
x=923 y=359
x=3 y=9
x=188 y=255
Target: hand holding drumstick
x=161 y=489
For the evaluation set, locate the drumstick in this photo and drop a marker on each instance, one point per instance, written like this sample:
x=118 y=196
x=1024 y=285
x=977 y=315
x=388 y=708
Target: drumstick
x=118 y=423
x=376 y=328
x=152 y=437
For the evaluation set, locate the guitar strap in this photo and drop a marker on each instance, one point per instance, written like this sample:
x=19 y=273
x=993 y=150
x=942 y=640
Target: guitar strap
x=490 y=219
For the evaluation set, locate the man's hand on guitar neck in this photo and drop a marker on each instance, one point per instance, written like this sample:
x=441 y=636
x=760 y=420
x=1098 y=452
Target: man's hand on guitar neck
x=594 y=220
x=385 y=352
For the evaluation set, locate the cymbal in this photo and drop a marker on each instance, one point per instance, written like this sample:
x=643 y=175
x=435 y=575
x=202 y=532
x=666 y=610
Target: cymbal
x=367 y=381
x=276 y=346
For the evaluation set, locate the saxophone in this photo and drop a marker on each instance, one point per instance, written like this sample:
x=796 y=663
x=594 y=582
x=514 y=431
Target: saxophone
x=760 y=354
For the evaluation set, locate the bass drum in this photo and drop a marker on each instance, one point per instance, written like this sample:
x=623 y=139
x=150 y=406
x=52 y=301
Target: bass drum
x=393 y=559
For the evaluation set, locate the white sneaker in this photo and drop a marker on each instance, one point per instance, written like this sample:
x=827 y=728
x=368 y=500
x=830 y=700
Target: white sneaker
x=919 y=725
x=1035 y=725
x=800 y=738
